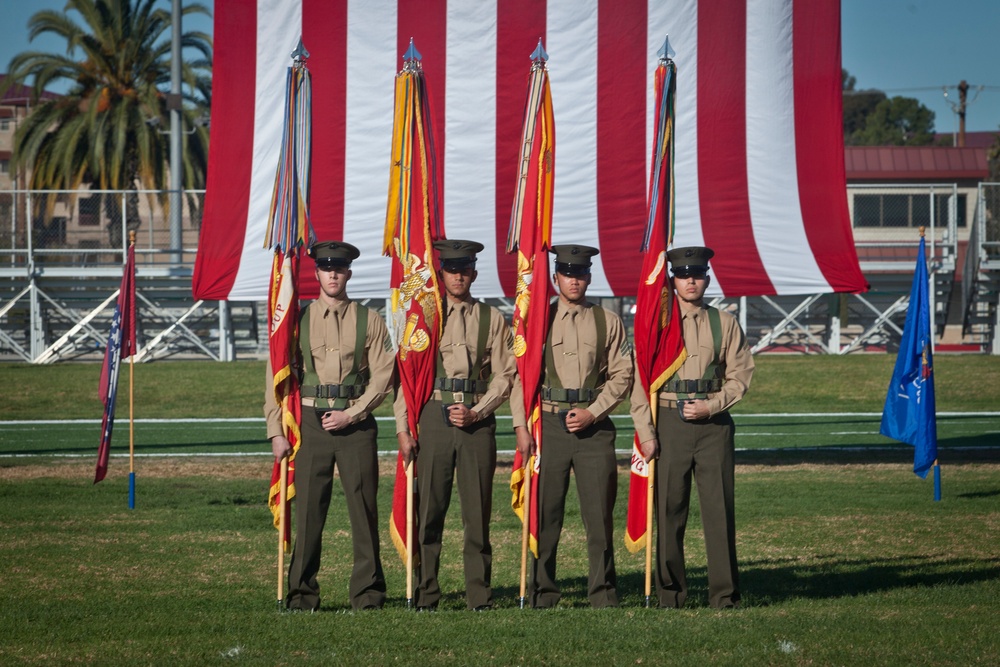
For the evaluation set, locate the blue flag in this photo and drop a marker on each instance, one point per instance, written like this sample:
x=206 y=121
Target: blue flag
x=909 y=414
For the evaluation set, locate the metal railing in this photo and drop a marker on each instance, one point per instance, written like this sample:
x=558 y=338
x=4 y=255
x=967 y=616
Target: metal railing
x=64 y=251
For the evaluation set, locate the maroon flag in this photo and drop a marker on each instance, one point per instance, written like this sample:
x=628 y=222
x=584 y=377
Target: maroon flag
x=121 y=345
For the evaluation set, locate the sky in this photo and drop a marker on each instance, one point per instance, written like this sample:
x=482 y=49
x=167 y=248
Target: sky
x=910 y=48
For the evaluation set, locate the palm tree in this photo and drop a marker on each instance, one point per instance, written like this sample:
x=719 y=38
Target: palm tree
x=105 y=130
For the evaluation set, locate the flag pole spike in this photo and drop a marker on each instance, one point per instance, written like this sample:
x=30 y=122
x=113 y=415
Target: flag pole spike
x=666 y=53
x=300 y=54
x=921 y=228
x=539 y=55
x=412 y=55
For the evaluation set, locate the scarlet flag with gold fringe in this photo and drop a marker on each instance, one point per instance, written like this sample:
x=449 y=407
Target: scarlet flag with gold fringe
x=659 y=344
x=412 y=224
x=531 y=235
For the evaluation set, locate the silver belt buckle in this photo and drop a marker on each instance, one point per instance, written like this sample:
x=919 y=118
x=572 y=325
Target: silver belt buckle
x=459 y=396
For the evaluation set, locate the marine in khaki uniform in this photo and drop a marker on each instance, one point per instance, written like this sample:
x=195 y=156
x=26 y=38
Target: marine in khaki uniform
x=345 y=377
x=697 y=437
x=458 y=428
x=588 y=371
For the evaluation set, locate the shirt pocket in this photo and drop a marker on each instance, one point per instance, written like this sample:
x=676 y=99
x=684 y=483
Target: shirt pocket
x=318 y=354
x=588 y=357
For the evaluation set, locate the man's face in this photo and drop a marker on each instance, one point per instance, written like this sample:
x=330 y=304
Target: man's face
x=691 y=286
x=333 y=281
x=572 y=288
x=457 y=283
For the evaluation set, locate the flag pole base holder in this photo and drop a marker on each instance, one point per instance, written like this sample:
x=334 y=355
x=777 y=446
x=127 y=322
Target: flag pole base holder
x=409 y=603
x=523 y=602
x=649 y=601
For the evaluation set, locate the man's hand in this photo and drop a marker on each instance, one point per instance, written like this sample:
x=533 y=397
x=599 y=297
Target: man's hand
x=335 y=420
x=696 y=409
x=280 y=447
x=408 y=446
x=525 y=443
x=579 y=419
x=649 y=449
x=461 y=416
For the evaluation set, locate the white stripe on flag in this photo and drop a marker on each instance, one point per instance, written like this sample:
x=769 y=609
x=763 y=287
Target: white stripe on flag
x=771 y=175
x=470 y=163
x=573 y=79
x=279 y=27
x=679 y=18
x=372 y=64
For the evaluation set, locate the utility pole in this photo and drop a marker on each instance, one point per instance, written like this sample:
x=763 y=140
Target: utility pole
x=963 y=90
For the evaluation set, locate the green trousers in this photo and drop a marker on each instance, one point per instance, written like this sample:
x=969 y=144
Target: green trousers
x=705 y=450
x=354 y=452
x=471 y=453
x=591 y=456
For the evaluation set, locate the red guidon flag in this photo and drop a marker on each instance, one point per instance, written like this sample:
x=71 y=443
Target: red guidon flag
x=412 y=224
x=531 y=235
x=659 y=345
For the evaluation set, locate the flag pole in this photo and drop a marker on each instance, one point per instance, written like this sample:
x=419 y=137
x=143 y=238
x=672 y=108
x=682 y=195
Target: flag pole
x=131 y=412
x=282 y=519
x=937 y=466
x=409 y=535
x=524 y=531
x=649 y=531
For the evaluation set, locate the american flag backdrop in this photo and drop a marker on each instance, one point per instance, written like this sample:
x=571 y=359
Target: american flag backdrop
x=759 y=153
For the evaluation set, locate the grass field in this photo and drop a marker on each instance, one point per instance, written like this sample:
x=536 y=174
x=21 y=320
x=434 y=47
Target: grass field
x=845 y=558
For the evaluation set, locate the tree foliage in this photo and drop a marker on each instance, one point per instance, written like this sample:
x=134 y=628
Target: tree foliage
x=871 y=118
x=107 y=129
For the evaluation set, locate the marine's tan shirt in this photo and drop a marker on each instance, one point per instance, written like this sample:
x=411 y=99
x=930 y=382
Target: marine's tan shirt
x=573 y=368
x=734 y=358
x=458 y=355
x=333 y=357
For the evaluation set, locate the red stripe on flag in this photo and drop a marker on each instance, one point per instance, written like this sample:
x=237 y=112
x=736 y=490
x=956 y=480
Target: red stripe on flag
x=520 y=24
x=621 y=143
x=722 y=148
x=231 y=156
x=324 y=34
x=427 y=23
x=820 y=155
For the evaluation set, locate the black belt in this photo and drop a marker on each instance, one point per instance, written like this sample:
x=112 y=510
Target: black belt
x=701 y=386
x=334 y=390
x=560 y=395
x=461 y=385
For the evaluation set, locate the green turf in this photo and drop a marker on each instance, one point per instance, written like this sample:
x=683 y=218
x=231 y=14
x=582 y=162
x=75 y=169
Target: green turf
x=842 y=562
x=840 y=565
